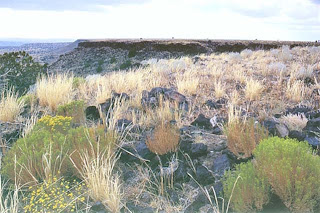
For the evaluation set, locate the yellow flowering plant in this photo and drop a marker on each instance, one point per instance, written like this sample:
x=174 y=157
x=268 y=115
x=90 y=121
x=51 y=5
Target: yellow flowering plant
x=56 y=195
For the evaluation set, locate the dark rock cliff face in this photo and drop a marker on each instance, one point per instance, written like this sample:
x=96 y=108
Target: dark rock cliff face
x=98 y=56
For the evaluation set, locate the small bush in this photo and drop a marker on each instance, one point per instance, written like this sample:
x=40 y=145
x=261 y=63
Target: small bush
x=56 y=195
x=74 y=109
x=10 y=106
x=77 y=81
x=292 y=171
x=19 y=70
x=244 y=136
x=26 y=155
x=250 y=193
x=125 y=65
x=52 y=147
x=132 y=53
x=164 y=139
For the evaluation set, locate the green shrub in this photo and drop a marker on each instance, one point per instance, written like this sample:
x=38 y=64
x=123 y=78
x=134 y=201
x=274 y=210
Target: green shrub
x=251 y=192
x=113 y=60
x=126 y=65
x=19 y=70
x=74 y=109
x=244 y=136
x=132 y=53
x=48 y=136
x=52 y=148
x=292 y=171
x=77 y=81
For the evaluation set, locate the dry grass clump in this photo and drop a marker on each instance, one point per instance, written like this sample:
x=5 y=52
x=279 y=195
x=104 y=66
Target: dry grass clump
x=285 y=54
x=239 y=75
x=234 y=98
x=98 y=174
x=246 y=53
x=294 y=122
x=187 y=83
x=164 y=139
x=10 y=105
x=234 y=57
x=305 y=72
x=244 y=136
x=219 y=89
x=296 y=91
x=54 y=90
x=253 y=89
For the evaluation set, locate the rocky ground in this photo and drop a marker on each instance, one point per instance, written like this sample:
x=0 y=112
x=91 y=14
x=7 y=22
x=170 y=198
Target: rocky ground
x=203 y=92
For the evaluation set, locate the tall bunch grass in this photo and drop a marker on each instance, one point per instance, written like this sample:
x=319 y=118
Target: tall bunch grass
x=54 y=90
x=10 y=105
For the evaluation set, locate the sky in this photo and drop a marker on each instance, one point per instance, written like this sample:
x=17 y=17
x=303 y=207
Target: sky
x=189 y=19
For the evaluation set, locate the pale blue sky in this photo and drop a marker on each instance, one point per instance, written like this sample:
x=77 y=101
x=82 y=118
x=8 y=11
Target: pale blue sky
x=199 y=19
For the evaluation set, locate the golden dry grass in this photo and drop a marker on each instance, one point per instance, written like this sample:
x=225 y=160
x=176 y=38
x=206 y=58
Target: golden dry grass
x=296 y=91
x=253 y=89
x=10 y=105
x=54 y=90
x=187 y=83
x=219 y=89
x=294 y=122
x=104 y=185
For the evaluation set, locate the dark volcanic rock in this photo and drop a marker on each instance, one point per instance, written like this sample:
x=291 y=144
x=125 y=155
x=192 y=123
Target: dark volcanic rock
x=282 y=130
x=92 y=113
x=313 y=125
x=298 y=110
x=212 y=104
x=221 y=164
x=181 y=174
x=202 y=122
x=203 y=175
x=10 y=132
x=300 y=136
x=151 y=99
x=144 y=151
x=138 y=209
x=98 y=207
x=276 y=128
x=198 y=149
x=217 y=131
x=199 y=201
x=123 y=123
x=313 y=114
x=313 y=141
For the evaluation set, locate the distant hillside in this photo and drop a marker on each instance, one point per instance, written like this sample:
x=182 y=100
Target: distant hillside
x=41 y=52
x=95 y=56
